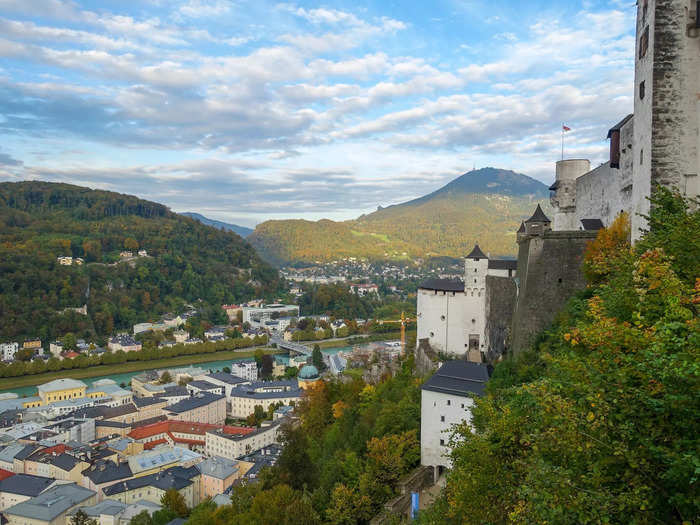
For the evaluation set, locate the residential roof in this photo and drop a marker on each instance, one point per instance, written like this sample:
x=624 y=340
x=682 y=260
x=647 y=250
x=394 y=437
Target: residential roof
x=196 y=401
x=25 y=484
x=9 y=452
x=4 y=474
x=476 y=253
x=538 y=216
x=142 y=402
x=176 y=477
x=52 y=503
x=203 y=385
x=65 y=462
x=61 y=384
x=503 y=264
x=443 y=285
x=108 y=507
x=121 y=410
x=459 y=378
x=226 y=378
x=592 y=224
x=105 y=471
x=522 y=228
x=218 y=467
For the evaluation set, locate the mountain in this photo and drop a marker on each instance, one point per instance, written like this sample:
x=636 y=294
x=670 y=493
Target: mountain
x=240 y=230
x=484 y=206
x=187 y=262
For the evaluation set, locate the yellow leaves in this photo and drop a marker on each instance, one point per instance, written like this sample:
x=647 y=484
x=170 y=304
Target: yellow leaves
x=338 y=409
x=590 y=417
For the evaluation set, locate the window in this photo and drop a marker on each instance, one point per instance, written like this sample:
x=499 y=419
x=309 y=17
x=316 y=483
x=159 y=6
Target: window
x=442 y=318
x=442 y=442
x=462 y=405
x=474 y=270
x=641 y=90
x=449 y=402
x=644 y=43
x=442 y=419
x=432 y=334
x=641 y=156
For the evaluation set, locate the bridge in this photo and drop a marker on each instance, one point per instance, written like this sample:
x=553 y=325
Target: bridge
x=292 y=348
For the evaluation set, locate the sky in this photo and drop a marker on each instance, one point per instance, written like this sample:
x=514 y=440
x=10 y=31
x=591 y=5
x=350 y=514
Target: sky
x=246 y=111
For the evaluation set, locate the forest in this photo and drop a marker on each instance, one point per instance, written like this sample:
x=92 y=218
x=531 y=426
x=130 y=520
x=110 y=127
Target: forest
x=187 y=263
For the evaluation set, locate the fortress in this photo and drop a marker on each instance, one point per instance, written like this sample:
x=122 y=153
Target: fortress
x=657 y=145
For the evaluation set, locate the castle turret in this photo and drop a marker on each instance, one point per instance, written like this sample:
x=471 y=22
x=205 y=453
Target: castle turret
x=476 y=266
x=538 y=223
x=563 y=196
x=520 y=234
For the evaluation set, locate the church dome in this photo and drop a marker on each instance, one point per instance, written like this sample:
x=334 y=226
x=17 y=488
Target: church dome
x=308 y=373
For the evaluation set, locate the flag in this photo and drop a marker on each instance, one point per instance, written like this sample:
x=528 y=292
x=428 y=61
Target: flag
x=565 y=128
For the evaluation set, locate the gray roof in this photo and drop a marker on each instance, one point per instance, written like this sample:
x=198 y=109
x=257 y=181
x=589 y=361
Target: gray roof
x=538 y=216
x=196 y=401
x=203 y=385
x=476 y=253
x=619 y=125
x=291 y=389
x=10 y=451
x=108 y=507
x=592 y=224
x=121 y=410
x=60 y=384
x=226 y=378
x=217 y=467
x=25 y=484
x=52 y=503
x=443 y=285
x=175 y=477
x=141 y=402
x=459 y=378
x=503 y=264
x=65 y=462
x=107 y=470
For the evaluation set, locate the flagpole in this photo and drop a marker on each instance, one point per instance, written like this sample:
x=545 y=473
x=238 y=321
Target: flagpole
x=562 y=141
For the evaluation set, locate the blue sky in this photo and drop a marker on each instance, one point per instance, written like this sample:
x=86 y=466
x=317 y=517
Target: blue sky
x=253 y=110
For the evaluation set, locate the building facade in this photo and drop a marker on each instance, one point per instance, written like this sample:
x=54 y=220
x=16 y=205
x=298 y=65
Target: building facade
x=453 y=315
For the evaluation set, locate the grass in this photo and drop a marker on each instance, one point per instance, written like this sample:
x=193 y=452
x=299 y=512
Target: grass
x=8 y=383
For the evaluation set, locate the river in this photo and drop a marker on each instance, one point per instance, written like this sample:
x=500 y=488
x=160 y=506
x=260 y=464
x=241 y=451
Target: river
x=126 y=378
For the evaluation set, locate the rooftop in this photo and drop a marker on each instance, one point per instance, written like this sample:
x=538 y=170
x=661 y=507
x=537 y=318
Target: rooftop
x=460 y=378
x=52 y=503
x=476 y=253
x=217 y=467
x=61 y=384
x=196 y=401
x=25 y=484
x=538 y=216
x=443 y=285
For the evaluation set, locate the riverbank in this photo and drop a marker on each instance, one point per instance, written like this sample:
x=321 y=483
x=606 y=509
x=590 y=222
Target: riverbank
x=9 y=383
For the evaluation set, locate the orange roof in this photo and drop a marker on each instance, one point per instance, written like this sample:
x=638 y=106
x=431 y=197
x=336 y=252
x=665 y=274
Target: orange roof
x=58 y=449
x=70 y=354
x=153 y=444
x=183 y=427
x=4 y=474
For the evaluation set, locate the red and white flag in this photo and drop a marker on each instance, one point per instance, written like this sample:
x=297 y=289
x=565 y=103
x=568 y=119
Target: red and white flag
x=565 y=128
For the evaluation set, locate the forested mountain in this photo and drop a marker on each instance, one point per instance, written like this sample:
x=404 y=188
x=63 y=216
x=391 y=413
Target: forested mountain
x=484 y=206
x=240 y=230
x=187 y=262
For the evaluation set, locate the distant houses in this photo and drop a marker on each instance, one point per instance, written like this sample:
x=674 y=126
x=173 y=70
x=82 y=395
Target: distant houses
x=123 y=342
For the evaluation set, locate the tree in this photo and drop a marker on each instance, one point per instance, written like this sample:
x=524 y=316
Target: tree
x=259 y=356
x=317 y=357
x=142 y=518
x=267 y=365
x=174 y=502
x=69 y=341
x=165 y=378
x=80 y=518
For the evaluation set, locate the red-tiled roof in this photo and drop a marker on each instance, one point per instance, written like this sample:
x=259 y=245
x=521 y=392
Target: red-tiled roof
x=58 y=449
x=4 y=474
x=153 y=444
x=183 y=427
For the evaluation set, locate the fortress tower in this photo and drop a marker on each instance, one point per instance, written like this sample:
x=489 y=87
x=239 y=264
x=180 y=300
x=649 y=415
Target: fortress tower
x=563 y=196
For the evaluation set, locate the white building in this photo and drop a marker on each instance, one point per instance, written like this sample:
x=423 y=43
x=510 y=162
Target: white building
x=229 y=445
x=446 y=400
x=244 y=398
x=247 y=370
x=452 y=314
x=257 y=316
x=9 y=350
x=659 y=144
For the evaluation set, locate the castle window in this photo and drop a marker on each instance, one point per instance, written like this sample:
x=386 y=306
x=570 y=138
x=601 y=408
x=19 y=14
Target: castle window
x=474 y=280
x=644 y=43
x=432 y=334
x=442 y=442
x=442 y=318
x=559 y=280
x=641 y=156
x=449 y=402
x=641 y=90
x=473 y=321
x=442 y=419
x=474 y=270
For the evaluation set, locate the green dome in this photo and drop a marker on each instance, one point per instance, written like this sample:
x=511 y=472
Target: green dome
x=308 y=372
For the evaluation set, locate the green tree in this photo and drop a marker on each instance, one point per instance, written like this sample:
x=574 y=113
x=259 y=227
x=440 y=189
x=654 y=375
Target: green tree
x=142 y=518
x=173 y=501
x=317 y=357
x=69 y=341
x=80 y=518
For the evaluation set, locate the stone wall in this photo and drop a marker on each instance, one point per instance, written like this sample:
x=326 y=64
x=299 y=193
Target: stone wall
x=549 y=273
x=501 y=295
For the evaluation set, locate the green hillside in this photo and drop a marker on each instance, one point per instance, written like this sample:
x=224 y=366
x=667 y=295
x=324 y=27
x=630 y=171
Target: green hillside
x=187 y=262
x=484 y=206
